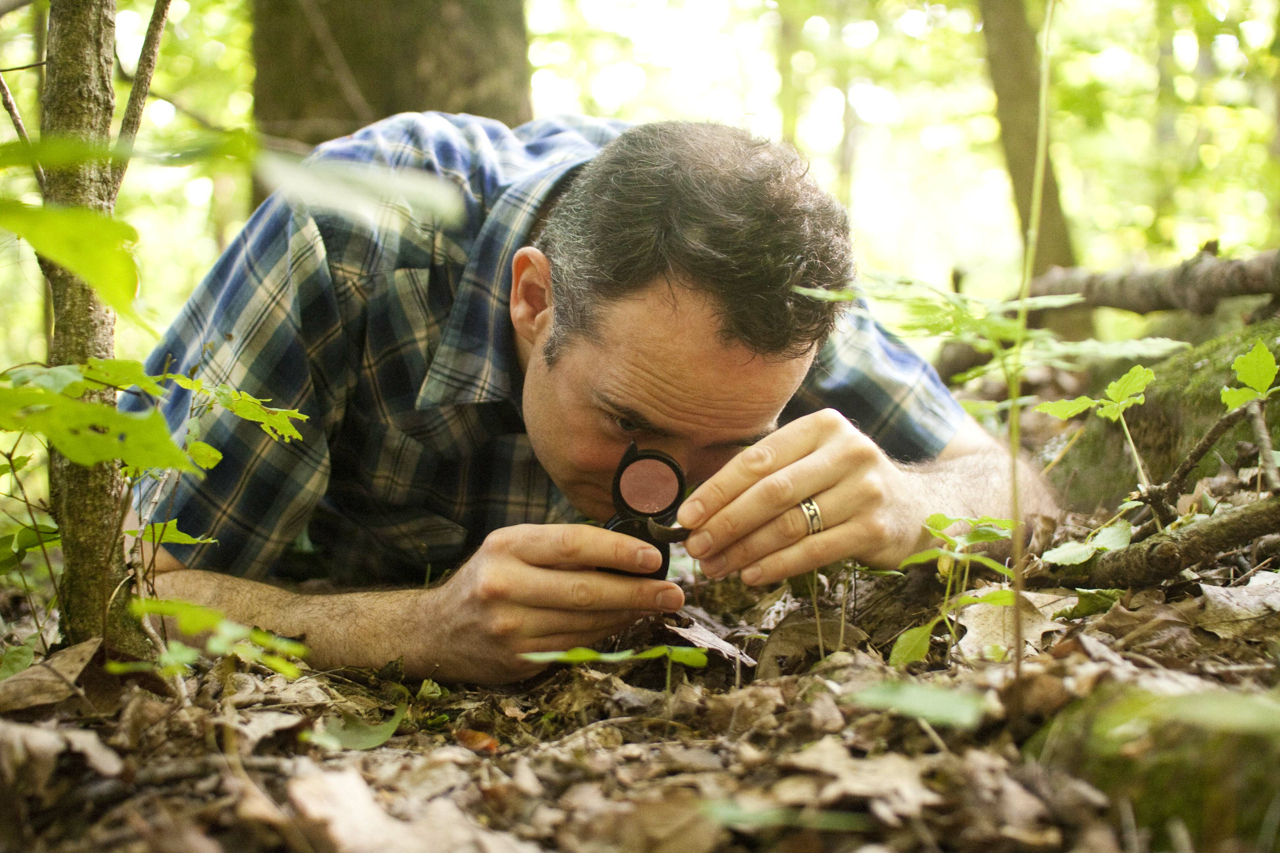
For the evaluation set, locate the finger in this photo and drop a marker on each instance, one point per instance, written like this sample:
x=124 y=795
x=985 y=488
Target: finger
x=811 y=552
x=564 y=642
x=835 y=505
x=577 y=545
x=778 y=496
x=770 y=454
x=583 y=591
x=544 y=622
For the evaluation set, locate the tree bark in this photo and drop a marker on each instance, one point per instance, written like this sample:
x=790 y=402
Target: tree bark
x=326 y=68
x=1015 y=76
x=78 y=101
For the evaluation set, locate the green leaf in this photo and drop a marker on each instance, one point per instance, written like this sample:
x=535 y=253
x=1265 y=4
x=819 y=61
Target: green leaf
x=191 y=618
x=1113 y=411
x=940 y=706
x=281 y=645
x=203 y=454
x=687 y=655
x=1128 y=505
x=51 y=152
x=225 y=636
x=274 y=422
x=1256 y=368
x=998 y=598
x=1113 y=537
x=287 y=668
x=19 y=462
x=430 y=691
x=176 y=658
x=577 y=655
x=1234 y=398
x=1063 y=409
x=926 y=556
x=94 y=247
x=728 y=813
x=30 y=538
x=1070 y=553
x=56 y=379
x=1131 y=384
x=168 y=534
x=351 y=732
x=359 y=190
x=912 y=645
x=89 y=433
x=15 y=660
x=122 y=373
x=1090 y=602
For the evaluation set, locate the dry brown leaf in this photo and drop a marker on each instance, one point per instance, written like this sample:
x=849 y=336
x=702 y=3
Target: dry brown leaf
x=48 y=681
x=890 y=783
x=28 y=755
x=989 y=627
x=1241 y=611
x=252 y=727
x=475 y=741
x=704 y=639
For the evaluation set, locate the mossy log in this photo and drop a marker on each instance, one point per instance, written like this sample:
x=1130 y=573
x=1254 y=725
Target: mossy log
x=1181 y=406
x=1211 y=761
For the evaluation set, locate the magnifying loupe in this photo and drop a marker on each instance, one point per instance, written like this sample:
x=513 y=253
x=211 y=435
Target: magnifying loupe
x=647 y=491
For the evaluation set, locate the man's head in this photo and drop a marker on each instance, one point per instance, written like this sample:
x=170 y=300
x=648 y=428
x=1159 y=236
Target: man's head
x=658 y=303
x=736 y=217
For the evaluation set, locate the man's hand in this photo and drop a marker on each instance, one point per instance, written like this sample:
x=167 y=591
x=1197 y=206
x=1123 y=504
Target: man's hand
x=532 y=588
x=747 y=517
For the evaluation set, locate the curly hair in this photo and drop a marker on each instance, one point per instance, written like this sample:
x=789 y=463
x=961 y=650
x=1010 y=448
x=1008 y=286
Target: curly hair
x=731 y=216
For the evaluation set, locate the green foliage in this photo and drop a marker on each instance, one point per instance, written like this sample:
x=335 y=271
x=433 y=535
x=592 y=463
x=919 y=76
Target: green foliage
x=167 y=533
x=15 y=660
x=687 y=655
x=1122 y=394
x=1255 y=370
x=1090 y=602
x=940 y=706
x=91 y=245
x=912 y=645
x=729 y=813
x=1112 y=537
x=227 y=637
x=350 y=732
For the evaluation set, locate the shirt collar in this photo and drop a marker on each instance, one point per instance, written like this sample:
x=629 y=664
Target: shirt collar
x=475 y=361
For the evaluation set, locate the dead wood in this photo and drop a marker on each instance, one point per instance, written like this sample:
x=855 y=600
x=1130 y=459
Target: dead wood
x=1165 y=555
x=1197 y=284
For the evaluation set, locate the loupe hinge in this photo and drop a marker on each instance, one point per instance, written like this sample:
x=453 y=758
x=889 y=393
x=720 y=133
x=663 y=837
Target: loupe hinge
x=662 y=533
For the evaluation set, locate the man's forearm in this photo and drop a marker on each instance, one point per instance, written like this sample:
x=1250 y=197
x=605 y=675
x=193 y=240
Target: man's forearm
x=348 y=629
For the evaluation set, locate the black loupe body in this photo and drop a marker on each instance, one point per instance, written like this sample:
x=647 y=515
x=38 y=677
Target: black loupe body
x=648 y=488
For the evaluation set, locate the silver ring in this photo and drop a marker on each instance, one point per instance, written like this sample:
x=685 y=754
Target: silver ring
x=812 y=515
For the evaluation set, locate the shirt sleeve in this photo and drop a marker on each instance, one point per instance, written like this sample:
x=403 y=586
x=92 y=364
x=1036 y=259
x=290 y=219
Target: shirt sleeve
x=883 y=387
x=271 y=321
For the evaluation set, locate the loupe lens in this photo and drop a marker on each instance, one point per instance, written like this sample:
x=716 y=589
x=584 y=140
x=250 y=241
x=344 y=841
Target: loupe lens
x=649 y=486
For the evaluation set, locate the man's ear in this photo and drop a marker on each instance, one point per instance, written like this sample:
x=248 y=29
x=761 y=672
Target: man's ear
x=531 y=301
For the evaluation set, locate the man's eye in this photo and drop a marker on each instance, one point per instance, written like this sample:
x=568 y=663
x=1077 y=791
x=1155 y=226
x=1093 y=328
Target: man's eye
x=626 y=424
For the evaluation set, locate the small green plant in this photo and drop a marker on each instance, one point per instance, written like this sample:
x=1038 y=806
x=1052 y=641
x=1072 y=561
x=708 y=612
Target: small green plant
x=687 y=655
x=1255 y=370
x=225 y=637
x=1122 y=394
x=954 y=559
x=1111 y=537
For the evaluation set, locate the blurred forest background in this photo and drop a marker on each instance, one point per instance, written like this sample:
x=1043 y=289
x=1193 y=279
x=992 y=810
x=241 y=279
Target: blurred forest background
x=1163 y=119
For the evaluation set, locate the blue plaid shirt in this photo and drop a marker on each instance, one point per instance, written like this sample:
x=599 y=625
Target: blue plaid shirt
x=391 y=334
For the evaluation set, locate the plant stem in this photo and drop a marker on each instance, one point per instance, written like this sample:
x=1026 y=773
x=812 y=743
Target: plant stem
x=1014 y=378
x=138 y=94
x=1265 y=459
x=817 y=614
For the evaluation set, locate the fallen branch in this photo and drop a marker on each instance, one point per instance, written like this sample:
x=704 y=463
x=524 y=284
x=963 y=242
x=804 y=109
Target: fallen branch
x=1197 y=284
x=1165 y=555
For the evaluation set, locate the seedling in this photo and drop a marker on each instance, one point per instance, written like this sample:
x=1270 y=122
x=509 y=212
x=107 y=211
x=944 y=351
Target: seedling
x=1255 y=370
x=1124 y=393
x=687 y=655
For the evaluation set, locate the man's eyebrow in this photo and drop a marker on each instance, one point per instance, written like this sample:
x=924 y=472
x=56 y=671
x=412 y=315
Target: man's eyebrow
x=648 y=426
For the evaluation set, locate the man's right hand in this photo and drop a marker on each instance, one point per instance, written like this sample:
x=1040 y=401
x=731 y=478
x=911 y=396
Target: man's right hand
x=533 y=588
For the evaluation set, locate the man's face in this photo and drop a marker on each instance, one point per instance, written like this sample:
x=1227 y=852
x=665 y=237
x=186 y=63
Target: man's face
x=659 y=376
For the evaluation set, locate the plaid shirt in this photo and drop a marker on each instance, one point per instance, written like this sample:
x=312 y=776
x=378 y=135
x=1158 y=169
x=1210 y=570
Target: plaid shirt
x=391 y=334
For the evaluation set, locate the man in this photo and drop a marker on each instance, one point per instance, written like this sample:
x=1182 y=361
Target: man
x=471 y=389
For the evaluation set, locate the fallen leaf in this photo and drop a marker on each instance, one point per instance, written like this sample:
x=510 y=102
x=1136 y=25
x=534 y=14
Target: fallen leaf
x=252 y=727
x=475 y=741
x=48 y=681
x=704 y=639
x=354 y=733
x=891 y=783
x=989 y=628
x=28 y=755
x=1241 y=611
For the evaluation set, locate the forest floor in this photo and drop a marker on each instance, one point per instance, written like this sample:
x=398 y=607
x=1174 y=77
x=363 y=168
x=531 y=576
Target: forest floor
x=1142 y=720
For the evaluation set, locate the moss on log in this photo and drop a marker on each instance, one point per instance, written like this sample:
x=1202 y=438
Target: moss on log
x=1181 y=405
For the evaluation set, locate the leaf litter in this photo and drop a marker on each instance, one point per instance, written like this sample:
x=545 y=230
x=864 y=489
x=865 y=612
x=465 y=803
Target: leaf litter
x=765 y=748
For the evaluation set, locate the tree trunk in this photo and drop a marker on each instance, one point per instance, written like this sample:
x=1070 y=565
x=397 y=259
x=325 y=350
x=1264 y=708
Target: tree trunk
x=78 y=101
x=789 y=24
x=1015 y=76
x=326 y=68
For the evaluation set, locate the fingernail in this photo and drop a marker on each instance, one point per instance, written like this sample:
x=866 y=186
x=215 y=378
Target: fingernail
x=670 y=599
x=713 y=566
x=690 y=515
x=649 y=559
x=751 y=575
x=699 y=543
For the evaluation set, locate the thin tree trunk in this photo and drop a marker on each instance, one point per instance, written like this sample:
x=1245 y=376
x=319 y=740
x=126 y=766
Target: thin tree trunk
x=788 y=92
x=78 y=102
x=326 y=68
x=39 y=33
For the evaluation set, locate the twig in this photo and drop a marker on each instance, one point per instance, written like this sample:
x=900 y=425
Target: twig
x=1265 y=457
x=1178 y=480
x=27 y=67
x=138 y=94
x=12 y=109
x=7 y=6
x=337 y=62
